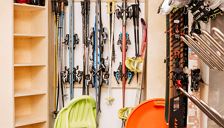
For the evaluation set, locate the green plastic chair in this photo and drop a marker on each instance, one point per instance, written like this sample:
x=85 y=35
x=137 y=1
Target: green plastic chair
x=80 y=113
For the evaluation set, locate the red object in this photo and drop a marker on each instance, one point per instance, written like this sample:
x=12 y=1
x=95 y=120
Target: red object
x=179 y=83
x=21 y=1
x=123 y=63
x=150 y=114
x=144 y=38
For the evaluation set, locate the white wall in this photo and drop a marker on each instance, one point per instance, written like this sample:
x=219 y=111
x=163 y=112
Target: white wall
x=6 y=65
x=156 y=69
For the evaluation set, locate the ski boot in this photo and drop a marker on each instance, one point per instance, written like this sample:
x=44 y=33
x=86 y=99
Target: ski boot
x=134 y=64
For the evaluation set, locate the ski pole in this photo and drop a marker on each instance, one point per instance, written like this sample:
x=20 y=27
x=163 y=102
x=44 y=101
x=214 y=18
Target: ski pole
x=210 y=112
x=110 y=10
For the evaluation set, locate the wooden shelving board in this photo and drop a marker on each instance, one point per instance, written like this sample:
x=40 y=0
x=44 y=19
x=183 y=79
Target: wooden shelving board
x=29 y=65
x=27 y=7
x=28 y=120
x=29 y=92
x=17 y=35
x=142 y=1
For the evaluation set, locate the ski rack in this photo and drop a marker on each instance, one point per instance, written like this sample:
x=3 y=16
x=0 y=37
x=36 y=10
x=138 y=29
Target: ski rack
x=177 y=60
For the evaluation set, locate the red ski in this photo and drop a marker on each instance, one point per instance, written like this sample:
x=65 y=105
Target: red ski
x=123 y=13
x=144 y=39
x=143 y=56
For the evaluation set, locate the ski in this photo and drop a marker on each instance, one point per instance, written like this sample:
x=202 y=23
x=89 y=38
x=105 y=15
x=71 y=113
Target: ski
x=135 y=16
x=71 y=47
x=142 y=56
x=58 y=8
x=74 y=74
x=98 y=27
x=85 y=5
x=123 y=13
x=100 y=65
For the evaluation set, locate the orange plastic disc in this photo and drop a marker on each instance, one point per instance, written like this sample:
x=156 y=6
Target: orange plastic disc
x=150 y=114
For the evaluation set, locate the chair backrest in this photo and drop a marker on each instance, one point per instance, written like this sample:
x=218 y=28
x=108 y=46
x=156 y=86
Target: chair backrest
x=79 y=113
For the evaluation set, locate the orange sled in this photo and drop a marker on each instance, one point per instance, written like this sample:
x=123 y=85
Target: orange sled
x=149 y=114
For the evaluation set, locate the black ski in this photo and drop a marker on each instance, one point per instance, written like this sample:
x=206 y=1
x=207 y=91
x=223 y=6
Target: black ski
x=58 y=8
x=135 y=16
x=85 y=25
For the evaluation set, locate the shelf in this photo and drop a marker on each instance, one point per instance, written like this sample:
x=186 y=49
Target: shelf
x=27 y=7
x=30 y=78
x=141 y=1
x=37 y=125
x=28 y=120
x=30 y=52
x=29 y=65
x=30 y=23
x=29 y=92
x=29 y=110
x=16 y=35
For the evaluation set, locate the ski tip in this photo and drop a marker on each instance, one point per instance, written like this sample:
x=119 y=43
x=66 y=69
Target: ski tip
x=143 y=21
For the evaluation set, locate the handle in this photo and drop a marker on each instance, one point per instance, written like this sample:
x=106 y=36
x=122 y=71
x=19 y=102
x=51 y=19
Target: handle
x=159 y=103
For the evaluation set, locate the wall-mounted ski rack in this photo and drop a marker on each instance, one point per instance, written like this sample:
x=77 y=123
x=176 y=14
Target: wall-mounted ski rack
x=177 y=60
x=208 y=49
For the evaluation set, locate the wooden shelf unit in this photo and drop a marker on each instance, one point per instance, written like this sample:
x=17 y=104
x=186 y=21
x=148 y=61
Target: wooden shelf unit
x=31 y=66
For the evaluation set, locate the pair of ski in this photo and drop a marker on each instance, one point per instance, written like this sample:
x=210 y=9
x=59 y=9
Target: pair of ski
x=100 y=69
x=64 y=75
x=58 y=9
x=124 y=13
